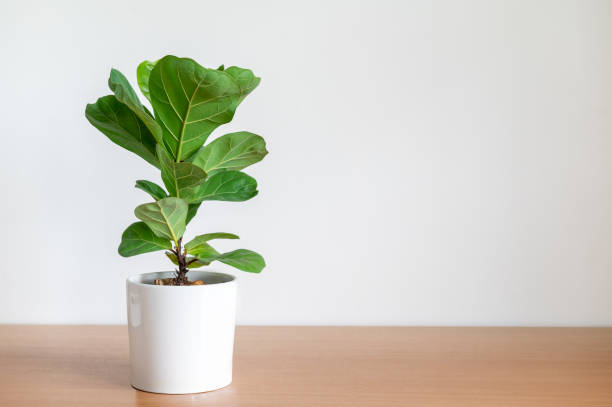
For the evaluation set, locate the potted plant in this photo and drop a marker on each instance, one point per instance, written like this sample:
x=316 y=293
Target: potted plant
x=181 y=323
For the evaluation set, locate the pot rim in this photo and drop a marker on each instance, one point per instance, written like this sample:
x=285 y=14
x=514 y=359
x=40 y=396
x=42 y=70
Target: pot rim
x=137 y=279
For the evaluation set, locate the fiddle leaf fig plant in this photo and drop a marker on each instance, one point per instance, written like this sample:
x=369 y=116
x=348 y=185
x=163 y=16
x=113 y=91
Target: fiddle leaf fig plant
x=188 y=103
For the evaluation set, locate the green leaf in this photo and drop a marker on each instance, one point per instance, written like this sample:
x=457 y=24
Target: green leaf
x=243 y=259
x=143 y=72
x=138 y=238
x=172 y=257
x=166 y=217
x=196 y=262
x=233 y=151
x=122 y=127
x=198 y=244
x=192 y=210
x=221 y=68
x=125 y=94
x=204 y=252
x=183 y=180
x=229 y=186
x=152 y=189
x=190 y=101
x=245 y=78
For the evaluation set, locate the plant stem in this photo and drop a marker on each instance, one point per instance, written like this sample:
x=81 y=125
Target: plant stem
x=181 y=258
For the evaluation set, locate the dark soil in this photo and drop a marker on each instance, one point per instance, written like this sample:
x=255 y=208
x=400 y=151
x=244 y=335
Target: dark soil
x=172 y=281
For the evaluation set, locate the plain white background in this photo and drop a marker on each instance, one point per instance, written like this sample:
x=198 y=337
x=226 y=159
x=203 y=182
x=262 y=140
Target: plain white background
x=431 y=162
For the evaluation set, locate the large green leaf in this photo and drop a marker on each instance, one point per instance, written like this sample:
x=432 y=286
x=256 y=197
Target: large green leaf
x=123 y=127
x=190 y=101
x=166 y=217
x=183 y=180
x=229 y=186
x=143 y=72
x=198 y=244
x=124 y=93
x=241 y=259
x=152 y=189
x=244 y=260
x=233 y=151
x=138 y=238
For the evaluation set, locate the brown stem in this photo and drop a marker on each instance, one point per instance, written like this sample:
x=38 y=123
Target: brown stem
x=181 y=258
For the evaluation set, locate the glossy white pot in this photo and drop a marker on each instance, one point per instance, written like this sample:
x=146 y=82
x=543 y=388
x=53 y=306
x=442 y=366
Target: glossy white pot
x=181 y=338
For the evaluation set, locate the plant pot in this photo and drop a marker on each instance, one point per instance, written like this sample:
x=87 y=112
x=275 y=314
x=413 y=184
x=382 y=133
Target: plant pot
x=181 y=337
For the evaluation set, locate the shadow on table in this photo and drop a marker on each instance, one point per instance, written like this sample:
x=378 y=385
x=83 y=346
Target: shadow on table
x=216 y=397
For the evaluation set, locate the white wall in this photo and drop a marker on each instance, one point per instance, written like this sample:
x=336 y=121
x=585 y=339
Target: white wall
x=444 y=162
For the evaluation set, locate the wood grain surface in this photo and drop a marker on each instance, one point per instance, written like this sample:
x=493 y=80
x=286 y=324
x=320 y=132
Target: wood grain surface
x=325 y=366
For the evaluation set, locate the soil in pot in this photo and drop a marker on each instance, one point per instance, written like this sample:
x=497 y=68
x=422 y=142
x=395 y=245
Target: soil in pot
x=172 y=281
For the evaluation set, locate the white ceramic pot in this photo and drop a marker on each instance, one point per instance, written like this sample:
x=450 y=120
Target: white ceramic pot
x=181 y=338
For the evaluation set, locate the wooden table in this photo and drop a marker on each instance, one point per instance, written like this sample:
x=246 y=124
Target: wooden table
x=325 y=366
